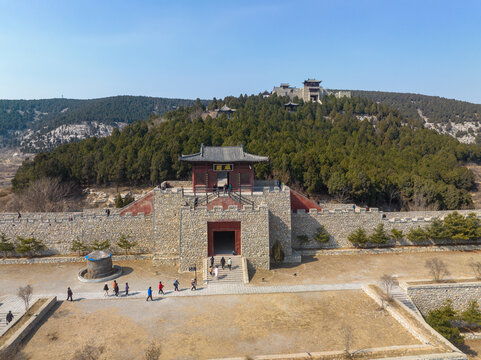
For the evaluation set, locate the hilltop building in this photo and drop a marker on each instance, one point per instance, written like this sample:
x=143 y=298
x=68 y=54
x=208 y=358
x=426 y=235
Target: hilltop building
x=311 y=91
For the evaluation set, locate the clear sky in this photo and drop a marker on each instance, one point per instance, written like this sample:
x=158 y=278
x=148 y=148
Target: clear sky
x=190 y=49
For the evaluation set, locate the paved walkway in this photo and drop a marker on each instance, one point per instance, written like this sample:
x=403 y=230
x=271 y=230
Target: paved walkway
x=213 y=289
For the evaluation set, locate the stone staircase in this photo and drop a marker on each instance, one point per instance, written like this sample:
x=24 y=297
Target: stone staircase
x=16 y=305
x=400 y=295
x=226 y=276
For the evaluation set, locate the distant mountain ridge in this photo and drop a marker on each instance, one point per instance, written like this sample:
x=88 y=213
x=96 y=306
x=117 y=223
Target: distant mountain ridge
x=39 y=125
x=459 y=119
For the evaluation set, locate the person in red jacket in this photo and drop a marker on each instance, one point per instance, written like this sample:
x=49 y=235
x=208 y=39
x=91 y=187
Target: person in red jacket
x=161 y=287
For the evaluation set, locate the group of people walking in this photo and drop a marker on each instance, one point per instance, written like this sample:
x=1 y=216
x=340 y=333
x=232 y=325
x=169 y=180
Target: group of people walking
x=214 y=270
x=115 y=287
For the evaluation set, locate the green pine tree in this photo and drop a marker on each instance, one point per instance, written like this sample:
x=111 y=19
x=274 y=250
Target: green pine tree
x=101 y=245
x=125 y=244
x=379 y=236
x=358 y=237
x=79 y=245
x=5 y=245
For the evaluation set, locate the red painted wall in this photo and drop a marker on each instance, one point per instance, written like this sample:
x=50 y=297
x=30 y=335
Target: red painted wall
x=212 y=179
x=299 y=201
x=144 y=205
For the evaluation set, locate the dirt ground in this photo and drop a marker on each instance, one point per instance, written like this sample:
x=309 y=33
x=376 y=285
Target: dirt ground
x=218 y=326
x=362 y=268
x=472 y=348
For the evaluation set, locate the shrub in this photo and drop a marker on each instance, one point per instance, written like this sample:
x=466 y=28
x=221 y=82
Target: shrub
x=358 y=237
x=417 y=235
x=88 y=352
x=437 y=268
x=277 y=252
x=5 y=245
x=303 y=239
x=396 y=235
x=78 y=245
x=27 y=246
x=125 y=244
x=472 y=315
x=121 y=202
x=322 y=235
x=101 y=245
x=153 y=352
x=441 y=320
x=379 y=236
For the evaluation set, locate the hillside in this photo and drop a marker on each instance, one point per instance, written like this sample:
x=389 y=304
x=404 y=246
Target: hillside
x=321 y=149
x=39 y=125
x=459 y=119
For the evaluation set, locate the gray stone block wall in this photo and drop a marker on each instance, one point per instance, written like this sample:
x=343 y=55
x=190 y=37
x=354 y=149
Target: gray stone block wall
x=167 y=205
x=254 y=234
x=59 y=230
x=340 y=223
x=430 y=297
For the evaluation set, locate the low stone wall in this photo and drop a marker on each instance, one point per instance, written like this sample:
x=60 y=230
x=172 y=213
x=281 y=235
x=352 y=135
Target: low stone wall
x=431 y=296
x=68 y=259
x=58 y=231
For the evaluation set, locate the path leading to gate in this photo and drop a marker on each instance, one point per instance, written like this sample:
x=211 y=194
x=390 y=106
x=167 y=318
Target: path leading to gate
x=212 y=289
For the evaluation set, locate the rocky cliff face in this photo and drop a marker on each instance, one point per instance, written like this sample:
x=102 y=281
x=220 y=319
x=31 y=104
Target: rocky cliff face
x=38 y=140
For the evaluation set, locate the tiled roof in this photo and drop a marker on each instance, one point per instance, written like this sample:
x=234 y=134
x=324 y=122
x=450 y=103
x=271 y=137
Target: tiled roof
x=222 y=154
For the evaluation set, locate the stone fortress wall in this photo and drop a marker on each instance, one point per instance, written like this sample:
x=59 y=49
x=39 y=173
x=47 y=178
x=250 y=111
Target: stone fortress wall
x=171 y=226
x=58 y=231
x=340 y=223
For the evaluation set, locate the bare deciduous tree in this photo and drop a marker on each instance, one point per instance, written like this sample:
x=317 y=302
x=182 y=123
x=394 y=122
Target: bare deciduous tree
x=347 y=335
x=476 y=266
x=45 y=195
x=437 y=268
x=25 y=293
x=388 y=282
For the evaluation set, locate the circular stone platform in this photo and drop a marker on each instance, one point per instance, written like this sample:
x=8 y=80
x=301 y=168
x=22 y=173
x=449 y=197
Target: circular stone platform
x=99 y=268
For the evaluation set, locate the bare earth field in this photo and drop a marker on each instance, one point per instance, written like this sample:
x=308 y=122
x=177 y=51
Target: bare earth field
x=361 y=268
x=218 y=326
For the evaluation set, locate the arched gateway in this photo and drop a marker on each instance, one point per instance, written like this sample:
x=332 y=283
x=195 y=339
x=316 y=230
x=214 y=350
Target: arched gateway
x=223 y=210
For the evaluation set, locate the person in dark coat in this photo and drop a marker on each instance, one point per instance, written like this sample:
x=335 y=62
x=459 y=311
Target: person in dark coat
x=193 y=283
x=149 y=294
x=106 y=290
x=127 y=289
x=69 y=294
x=176 y=285
x=212 y=261
x=222 y=262
x=9 y=317
x=116 y=288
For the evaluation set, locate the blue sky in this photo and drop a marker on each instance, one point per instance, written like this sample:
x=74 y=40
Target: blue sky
x=190 y=49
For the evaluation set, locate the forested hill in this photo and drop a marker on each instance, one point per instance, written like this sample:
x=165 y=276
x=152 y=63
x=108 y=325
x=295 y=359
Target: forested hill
x=436 y=109
x=320 y=149
x=44 y=124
